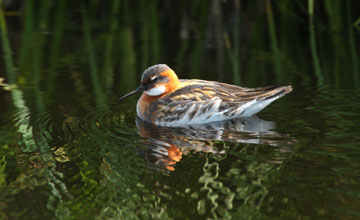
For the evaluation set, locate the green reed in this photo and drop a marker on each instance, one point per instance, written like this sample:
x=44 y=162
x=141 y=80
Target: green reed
x=128 y=78
x=99 y=96
x=7 y=52
x=110 y=43
x=150 y=33
x=257 y=57
x=353 y=46
x=2 y=170
x=313 y=43
x=56 y=41
x=136 y=36
x=27 y=35
x=278 y=68
x=145 y=29
x=234 y=50
x=335 y=25
x=155 y=32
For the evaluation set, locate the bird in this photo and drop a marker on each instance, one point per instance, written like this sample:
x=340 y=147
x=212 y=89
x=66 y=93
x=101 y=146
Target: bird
x=169 y=101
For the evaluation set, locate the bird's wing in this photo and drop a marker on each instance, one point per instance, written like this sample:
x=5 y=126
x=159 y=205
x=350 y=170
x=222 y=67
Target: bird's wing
x=203 y=90
x=243 y=94
x=204 y=100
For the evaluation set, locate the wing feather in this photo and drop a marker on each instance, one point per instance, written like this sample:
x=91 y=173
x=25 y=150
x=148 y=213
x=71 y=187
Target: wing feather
x=201 y=101
x=185 y=111
x=206 y=90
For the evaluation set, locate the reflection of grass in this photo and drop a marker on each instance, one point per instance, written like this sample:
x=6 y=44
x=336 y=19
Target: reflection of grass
x=313 y=44
x=7 y=53
x=150 y=34
x=274 y=41
x=23 y=120
x=55 y=46
x=352 y=44
x=2 y=170
x=136 y=37
x=99 y=96
x=357 y=24
x=233 y=51
x=110 y=43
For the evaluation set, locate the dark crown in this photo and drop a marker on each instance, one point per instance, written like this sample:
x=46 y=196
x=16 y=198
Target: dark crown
x=153 y=70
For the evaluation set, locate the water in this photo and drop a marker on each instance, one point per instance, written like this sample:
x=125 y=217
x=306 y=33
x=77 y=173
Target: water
x=70 y=150
x=297 y=159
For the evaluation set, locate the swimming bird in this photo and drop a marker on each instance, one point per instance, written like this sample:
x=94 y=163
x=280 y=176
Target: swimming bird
x=169 y=101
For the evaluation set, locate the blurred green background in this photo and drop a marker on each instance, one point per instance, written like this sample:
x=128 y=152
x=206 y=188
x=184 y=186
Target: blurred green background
x=252 y=43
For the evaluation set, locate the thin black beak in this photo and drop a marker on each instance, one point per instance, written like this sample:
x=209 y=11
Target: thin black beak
x=139 y=89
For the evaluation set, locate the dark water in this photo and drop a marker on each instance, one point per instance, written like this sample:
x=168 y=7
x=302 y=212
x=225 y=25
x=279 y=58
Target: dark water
x=298 y=159
x=70 y=150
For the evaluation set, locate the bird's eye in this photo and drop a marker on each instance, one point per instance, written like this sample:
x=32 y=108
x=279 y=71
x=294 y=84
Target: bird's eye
x=155 y=79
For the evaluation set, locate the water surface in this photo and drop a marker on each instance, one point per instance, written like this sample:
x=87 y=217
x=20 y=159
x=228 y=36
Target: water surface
x=296 y=159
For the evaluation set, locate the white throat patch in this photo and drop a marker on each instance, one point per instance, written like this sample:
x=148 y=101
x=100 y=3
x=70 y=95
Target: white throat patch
x=159 y=90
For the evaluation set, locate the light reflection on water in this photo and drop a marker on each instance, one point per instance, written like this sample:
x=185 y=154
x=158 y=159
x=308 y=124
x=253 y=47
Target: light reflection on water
x=104 y=163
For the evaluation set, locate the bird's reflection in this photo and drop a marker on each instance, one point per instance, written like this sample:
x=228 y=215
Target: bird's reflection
x=165 y=146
